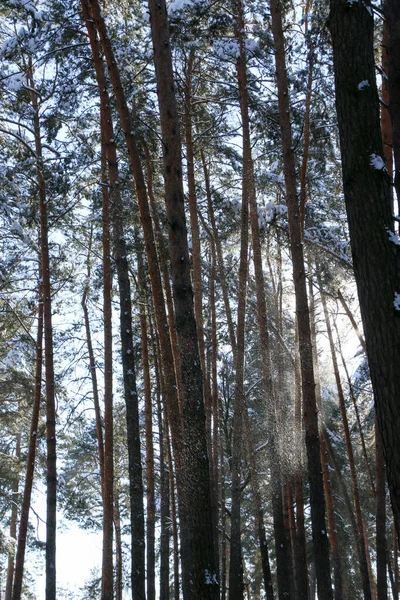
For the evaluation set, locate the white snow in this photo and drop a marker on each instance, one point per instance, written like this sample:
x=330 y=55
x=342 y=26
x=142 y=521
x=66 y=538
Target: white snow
x=227 y=49
x=363 y=84
x=393 y=237
x=396 y=301
x=377 y=162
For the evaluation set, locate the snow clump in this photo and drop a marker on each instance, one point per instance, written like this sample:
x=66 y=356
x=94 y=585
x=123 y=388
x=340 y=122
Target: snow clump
x=396 y=301
x=377 y=162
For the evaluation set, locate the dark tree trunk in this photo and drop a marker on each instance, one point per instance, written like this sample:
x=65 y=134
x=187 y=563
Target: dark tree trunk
x=369 y=212
x=107 y=583
x=310 y=412
x=392 y=14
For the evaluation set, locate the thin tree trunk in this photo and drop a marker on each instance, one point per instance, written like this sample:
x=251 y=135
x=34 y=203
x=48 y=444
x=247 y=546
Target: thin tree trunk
x=51 y=475
x=150 y=491
x=300 y=553
x=92 y=367
x=126 y=325
x=30 y=463
x=107 y=584
x=362 y=542
x=118 y=548
x=333 y=538
x=164 y=504
x=236 y=583
x=381 y=546
x=218 y=248
x=317 y=499
x=14 y=517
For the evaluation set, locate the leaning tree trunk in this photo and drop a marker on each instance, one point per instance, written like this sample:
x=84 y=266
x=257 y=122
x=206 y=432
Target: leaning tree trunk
x=310 y=411
x=198 y=561
x=30 y=462
x=367 y=194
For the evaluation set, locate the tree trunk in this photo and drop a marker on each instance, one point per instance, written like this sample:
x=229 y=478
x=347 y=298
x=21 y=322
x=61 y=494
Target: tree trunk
x=375 y=256
x=198 y=560
x=30 y=463
x=317 y=499
x=51 y=475
x=381 y=546
x=150 y=491
x=118 y=547
x=92 y=367
x=14 y=517
x=330 y=508
x=107 y=584
x=361 y=545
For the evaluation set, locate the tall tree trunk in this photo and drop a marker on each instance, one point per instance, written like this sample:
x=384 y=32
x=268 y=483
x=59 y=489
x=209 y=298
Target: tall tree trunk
x=150 y=491
x=107 y=584
x=118 y=547
x=375 y=256
x=197 y=291
x=51 y=474
x=14 y=517
x=92 y=367
x=302 y=587
x=330 y=508
x=198 y=559
x=164 y=505
x=317 y=499
x=236 y=584
x=361 y=545
x=30 y=462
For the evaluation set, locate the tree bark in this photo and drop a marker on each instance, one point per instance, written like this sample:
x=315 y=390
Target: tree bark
x=375 y=256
